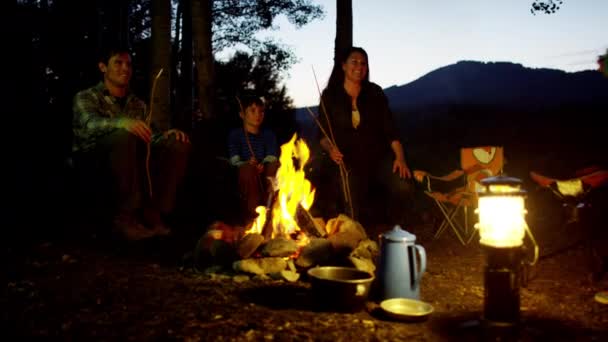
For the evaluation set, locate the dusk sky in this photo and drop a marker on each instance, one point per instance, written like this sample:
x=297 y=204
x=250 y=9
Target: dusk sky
x=406 y=39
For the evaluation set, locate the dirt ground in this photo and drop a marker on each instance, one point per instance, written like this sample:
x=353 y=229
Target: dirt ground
x=95 y=289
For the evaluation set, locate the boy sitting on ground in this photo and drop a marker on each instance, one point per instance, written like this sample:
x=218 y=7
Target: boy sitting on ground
x=254 y=151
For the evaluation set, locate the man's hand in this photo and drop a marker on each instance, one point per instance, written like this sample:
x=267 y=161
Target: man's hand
x=137 y=127
x=179 y=135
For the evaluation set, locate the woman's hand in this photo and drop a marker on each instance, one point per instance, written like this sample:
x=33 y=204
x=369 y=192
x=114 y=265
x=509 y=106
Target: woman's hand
x=402 y=169
x=335 y=154
x=399 y=164
x=332 y=150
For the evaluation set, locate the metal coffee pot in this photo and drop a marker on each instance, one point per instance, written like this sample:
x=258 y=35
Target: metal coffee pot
x=399 y=270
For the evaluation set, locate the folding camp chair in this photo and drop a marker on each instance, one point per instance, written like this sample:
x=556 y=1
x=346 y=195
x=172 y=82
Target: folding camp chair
x=476 y=163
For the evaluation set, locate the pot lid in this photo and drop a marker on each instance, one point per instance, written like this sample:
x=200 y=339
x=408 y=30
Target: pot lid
x=398 y=234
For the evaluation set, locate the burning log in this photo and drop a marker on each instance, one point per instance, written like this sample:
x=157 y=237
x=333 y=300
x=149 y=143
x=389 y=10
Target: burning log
x=249 y=244
x=308 y=223
x=311 y=226
x=267 y=229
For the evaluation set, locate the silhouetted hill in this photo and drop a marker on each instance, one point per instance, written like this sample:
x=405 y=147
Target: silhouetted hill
x=498 y=84
x=550 y=119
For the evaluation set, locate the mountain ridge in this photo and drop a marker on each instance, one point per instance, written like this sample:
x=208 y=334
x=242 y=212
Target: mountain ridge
x=507 y=84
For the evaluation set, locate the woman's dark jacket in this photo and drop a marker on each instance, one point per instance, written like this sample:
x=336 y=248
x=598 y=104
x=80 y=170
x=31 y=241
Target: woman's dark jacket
x=371 y=141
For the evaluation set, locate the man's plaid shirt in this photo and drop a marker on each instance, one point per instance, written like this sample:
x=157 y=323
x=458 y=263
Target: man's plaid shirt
x=96 y=114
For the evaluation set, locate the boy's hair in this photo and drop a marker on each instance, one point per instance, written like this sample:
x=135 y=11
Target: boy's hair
x=247 y=101
x=106 y=52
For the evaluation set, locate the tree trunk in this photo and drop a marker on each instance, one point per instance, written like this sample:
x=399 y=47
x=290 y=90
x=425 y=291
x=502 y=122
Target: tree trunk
x=175 y=100
x=161 y=59
x=114 y=21
x=203 y=55
x=185 y=85
x=122 y=25
x=344 y=27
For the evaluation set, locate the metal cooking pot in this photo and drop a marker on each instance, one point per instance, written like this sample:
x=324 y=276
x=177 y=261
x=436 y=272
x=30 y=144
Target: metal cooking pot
x=340 y=288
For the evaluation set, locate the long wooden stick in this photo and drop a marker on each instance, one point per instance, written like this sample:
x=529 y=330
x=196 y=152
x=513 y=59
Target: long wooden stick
x=312 y=115
x=148 y=121
x=343 y=171
x=333 y=140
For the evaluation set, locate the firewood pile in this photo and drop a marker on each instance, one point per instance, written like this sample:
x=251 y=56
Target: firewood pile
x=230 y=250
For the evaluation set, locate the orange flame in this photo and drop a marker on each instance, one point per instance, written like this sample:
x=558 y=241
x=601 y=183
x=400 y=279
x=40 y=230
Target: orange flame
x=258 y=224
x=293 y=190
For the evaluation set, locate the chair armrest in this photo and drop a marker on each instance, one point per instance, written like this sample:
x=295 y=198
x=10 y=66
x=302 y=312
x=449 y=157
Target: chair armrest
x=425 y=177
x=421 y=175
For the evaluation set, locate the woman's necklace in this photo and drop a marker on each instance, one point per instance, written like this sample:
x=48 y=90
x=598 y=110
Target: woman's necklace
x=353 y=91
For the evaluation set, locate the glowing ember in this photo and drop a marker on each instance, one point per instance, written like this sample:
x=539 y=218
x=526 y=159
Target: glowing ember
x=293 y=190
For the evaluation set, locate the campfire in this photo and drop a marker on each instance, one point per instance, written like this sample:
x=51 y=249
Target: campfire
x=285 y=239
x=294 y=195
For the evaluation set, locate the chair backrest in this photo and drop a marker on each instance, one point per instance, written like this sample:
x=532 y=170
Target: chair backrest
x=481 y=162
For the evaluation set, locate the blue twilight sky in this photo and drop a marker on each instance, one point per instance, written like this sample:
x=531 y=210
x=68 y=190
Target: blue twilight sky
x=406 y=39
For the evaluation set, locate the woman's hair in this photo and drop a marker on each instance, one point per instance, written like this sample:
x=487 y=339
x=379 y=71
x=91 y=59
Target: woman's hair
x=336 y=79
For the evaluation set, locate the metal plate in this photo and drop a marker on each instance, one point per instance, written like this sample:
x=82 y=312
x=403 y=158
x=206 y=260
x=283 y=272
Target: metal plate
x=406 y=309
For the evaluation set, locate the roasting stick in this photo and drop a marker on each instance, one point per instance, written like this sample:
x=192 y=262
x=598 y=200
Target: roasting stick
x=332 y=140
x=342 y=168
x=148 y=121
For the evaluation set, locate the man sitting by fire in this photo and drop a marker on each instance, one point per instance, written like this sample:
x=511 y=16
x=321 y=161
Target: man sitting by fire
x=115 y=137
x=254 y=151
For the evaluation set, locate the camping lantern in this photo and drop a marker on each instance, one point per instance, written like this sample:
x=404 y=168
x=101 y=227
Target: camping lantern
x=502 y=228
x=501 y=212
